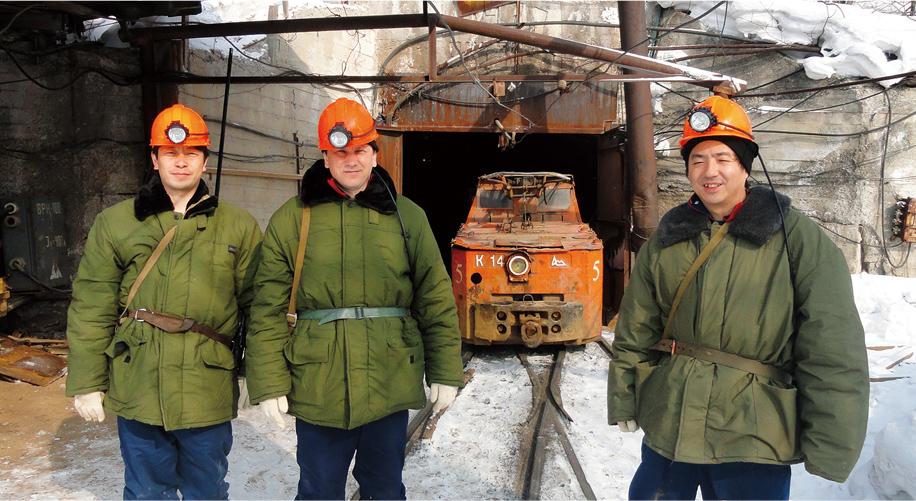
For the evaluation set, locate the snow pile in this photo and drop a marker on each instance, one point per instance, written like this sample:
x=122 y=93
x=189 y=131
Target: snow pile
x=887 y=307
x=894 y=464
x=853 y=41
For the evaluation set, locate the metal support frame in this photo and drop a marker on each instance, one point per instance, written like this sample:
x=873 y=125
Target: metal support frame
x=640 y=147
x=627 y=59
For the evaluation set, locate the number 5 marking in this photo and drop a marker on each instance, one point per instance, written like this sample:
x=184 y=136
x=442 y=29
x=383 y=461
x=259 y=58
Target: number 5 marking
x=458 y=272
x=597 y=271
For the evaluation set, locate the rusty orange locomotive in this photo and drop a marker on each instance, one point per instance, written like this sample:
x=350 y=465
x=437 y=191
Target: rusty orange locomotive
x=525 y=268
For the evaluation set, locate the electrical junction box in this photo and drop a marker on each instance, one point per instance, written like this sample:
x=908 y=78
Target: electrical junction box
x=905 y=219
x=33 y=243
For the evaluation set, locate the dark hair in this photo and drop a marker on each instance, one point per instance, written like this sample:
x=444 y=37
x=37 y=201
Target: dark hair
x=204 y=149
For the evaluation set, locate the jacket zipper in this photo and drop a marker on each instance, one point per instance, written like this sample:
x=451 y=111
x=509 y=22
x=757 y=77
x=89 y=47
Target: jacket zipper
x=343 y=324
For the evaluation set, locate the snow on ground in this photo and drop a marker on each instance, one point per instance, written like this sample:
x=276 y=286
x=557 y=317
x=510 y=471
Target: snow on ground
x=854 y=41
x=473 y=452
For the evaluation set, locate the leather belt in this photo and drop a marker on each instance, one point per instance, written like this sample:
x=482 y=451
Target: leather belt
x=174 y=325
x=354 y=312
x=675 y=347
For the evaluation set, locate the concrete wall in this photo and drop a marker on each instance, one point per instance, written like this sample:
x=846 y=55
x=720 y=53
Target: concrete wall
x=82 y=144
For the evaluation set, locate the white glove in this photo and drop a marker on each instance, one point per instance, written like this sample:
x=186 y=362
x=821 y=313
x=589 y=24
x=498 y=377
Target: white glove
x=628 y=426
x=244 y=399
x=89 y=406
x=442 y=395
x=275 y=408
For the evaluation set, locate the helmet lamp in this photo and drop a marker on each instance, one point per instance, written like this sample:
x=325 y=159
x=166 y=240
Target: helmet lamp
x=701 y=119
x=339 y=136
x=176 y=133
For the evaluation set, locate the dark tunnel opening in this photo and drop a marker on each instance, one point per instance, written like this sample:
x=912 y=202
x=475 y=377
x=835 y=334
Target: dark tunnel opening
x=441 y=170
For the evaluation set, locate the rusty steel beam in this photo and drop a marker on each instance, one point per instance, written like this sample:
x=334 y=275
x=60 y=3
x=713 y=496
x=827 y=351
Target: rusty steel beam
x=640 y=129
x=143 y=35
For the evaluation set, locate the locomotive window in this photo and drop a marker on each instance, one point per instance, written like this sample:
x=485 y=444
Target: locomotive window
x=494 y=199
x=555 y=199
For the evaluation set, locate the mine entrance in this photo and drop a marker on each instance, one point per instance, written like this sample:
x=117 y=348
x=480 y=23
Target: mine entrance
x=440 y=171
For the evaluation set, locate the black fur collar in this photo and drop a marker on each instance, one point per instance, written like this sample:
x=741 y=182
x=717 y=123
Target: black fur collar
x=152 y=199
x=756 y=222
x=315 y=189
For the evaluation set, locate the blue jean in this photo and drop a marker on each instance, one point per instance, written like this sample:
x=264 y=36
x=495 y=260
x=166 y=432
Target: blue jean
x=324 y=456
x=158 y=463
x=660 y=478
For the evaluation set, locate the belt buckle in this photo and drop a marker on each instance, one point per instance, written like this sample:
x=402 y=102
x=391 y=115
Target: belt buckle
x=137 y=312
x=292 y=319
x=360 y=314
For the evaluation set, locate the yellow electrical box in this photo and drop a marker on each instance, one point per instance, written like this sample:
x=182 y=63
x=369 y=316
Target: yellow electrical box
x=4 y=298
x=905 y=220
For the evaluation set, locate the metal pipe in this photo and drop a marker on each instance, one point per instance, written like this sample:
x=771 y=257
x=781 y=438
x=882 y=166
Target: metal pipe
x=744 y=52
x=417 y=78
x=222 y=127
x=640 y=150
x=554 y=44
x=626 y=59
x=139 y=35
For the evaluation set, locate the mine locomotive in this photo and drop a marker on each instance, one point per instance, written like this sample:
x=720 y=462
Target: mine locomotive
x=525 y=268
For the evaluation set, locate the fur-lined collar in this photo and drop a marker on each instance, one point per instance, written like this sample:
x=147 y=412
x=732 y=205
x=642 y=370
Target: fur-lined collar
x=756 y=222
x=316 y=189
x=152 y=199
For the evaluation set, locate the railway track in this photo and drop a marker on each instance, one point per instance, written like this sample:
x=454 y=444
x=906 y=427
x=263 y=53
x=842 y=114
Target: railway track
x=546 y=422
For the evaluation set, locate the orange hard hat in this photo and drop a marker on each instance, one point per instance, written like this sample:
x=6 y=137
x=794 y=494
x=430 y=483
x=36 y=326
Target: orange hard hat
x=179 y=125
x=345 y=123
x=716 y=116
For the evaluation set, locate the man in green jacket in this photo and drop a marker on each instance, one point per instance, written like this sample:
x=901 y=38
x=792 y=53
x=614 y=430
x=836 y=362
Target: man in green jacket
x=162 y=283
x=372 y=313
x=739 y=349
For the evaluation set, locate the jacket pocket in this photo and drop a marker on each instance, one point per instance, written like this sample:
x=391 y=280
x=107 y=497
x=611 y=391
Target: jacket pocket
x=125 y=353
x=405 y=367
x=216 y=355
x=658 y=401
x=308 y=360
x=777 y=423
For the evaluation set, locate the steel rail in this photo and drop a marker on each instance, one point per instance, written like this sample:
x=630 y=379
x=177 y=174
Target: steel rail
x=547 y=407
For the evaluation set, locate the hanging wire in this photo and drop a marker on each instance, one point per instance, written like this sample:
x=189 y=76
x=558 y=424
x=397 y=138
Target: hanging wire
x=887 y=133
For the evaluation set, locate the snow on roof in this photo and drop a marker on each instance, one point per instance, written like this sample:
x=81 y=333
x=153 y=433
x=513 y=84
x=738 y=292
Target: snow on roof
x=854 y=41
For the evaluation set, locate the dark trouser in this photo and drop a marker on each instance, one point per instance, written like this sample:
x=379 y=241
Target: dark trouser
x=324 y=456
x=660 y=478
x=158 y=463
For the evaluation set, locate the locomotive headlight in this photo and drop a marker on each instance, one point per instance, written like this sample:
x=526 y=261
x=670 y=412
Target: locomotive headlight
x=518 y=265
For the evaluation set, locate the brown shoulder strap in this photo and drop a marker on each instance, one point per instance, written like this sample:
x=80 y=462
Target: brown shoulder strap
x=148 y=265
x=691 y=273
x=297 y=270
x=151 y=260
